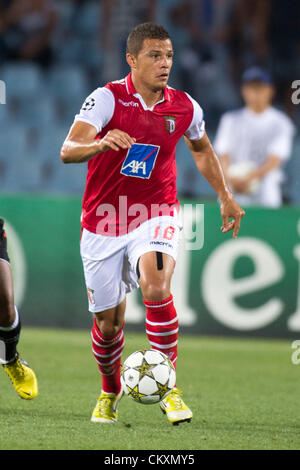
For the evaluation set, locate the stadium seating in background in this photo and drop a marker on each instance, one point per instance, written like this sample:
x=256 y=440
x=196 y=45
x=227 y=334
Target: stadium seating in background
x=4 y=116
x=77 y=36
x=34 y=123
x=47 y=144
x=68 y=86
x=24 y=88
x=23 y=80
x=87 y=18
x=54 y=176
x=19 y=170
x=67 y=82
x=39 y=113
x=70 y=178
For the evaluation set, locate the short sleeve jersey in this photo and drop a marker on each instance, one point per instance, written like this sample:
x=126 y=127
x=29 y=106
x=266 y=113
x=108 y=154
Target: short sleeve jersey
x=123 y=184
x=249 y=136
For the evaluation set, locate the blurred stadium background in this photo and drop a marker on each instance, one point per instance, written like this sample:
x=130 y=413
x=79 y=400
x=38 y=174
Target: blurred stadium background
x=74 y=47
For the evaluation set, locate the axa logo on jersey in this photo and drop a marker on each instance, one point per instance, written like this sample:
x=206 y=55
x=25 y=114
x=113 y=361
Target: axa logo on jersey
x=140 y=160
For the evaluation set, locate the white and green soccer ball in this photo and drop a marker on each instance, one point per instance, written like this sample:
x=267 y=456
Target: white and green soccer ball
x=148 y=376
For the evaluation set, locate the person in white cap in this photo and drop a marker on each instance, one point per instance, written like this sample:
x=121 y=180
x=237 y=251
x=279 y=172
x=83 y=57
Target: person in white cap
x=254 y=142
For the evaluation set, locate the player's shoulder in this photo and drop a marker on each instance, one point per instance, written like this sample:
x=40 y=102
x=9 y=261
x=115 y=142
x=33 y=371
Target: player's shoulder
x=233 y=114
x=101 y=93
x=180 y=96
x=280 y=117
x=117 y=86
x=186 y=103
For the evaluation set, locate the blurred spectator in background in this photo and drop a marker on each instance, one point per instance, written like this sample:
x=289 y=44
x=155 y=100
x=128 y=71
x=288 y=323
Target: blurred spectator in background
x=26 y=28
x=284 y=48
x=118 y=19
x=253 y=143
x=205 y=57
x=247 y=35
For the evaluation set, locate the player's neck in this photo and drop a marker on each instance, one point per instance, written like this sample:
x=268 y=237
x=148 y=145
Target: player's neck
x=149 y=96
x=258 y=109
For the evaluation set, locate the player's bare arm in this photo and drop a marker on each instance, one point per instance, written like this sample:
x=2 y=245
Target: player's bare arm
x=209 y=166
x=81 y=144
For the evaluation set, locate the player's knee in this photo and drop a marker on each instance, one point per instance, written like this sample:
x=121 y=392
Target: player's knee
x=109 y=328
x=155 y=292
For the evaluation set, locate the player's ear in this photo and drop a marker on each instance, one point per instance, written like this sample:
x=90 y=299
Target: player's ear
x=131 y=60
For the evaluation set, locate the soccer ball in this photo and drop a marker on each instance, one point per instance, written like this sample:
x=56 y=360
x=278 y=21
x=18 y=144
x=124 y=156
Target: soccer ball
x=241 y=170
x=148 y=376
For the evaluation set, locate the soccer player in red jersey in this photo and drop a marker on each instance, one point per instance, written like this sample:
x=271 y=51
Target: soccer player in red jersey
x=127 y=131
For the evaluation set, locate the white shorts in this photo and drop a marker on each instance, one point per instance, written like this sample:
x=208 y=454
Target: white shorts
x=110 y=263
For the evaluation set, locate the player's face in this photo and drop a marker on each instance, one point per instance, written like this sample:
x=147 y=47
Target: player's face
x=257 y=95
x=153 y=64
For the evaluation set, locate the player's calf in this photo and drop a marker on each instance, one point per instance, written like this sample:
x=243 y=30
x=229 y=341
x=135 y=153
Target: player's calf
x=9 y=338
x=19 y=372
x=107 y=351
x=162 y=326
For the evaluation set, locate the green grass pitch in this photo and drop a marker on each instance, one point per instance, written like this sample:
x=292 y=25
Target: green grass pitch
x=244 y=395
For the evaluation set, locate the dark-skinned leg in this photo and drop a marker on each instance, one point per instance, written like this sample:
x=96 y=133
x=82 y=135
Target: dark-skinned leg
x=9 y=320
x=25 y=383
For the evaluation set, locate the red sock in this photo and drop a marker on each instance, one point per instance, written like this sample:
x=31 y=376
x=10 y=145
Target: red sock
x=162 y=327
x=107 y=351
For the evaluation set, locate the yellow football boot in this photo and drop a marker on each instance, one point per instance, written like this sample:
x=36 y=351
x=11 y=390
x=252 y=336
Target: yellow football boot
x=175 y=408
x=105 y=410
x=22 y=377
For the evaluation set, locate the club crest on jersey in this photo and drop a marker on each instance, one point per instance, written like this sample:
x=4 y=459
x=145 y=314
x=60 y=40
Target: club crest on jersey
x=140 y=160
x=170 y=123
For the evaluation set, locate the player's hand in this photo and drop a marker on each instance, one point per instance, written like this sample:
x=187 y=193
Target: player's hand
x=116 y=139
x=230 y=209
x=239 y=185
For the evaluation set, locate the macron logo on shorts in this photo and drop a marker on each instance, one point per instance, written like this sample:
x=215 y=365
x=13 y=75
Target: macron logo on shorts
x=140 y=160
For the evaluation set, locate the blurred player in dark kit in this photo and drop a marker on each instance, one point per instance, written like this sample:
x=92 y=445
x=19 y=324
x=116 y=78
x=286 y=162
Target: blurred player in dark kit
x=21 y=375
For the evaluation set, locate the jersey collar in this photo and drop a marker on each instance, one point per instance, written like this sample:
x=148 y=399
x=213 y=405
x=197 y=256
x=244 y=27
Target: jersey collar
x=132 y=91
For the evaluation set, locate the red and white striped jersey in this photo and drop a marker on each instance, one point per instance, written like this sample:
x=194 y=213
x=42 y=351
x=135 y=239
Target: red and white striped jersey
x=126 y=184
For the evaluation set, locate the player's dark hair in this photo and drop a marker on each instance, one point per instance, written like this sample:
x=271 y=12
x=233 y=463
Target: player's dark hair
x=144 y=31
